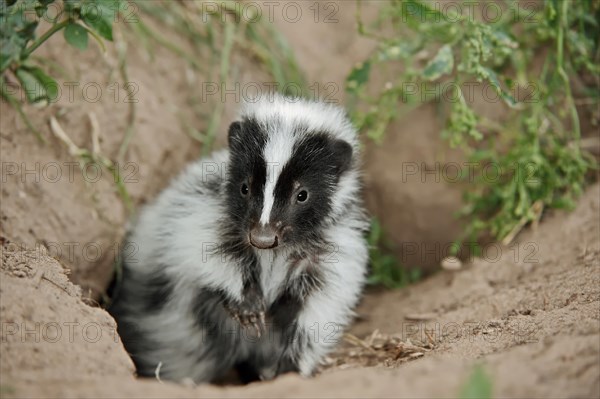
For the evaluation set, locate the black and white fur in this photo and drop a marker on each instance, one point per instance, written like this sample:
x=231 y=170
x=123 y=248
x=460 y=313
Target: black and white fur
x=265 y=236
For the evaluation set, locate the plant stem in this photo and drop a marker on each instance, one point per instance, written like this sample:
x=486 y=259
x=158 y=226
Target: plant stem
x=55 y=28
x=562 y=25
x=130 y=130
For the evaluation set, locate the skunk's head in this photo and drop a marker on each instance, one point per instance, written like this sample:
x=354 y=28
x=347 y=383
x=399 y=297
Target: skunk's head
x=292 y=170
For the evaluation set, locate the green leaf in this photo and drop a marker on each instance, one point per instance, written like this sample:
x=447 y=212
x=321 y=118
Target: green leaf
x=479 y=385
x=441 y=64
x=76 y=36
x=396 y=50
x=375 y=232
x=100 y=17
x=10 y=51
x=49 y=84
x=34 y=90
x=358 y=76
x=491 y=77
x=16 y=30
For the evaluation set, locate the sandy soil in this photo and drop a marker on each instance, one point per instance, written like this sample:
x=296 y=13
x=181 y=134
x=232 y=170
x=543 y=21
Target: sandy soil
x=529 y=313
x=530 y=317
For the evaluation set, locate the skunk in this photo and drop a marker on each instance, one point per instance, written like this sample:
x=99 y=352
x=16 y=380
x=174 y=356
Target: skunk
x=252 y=259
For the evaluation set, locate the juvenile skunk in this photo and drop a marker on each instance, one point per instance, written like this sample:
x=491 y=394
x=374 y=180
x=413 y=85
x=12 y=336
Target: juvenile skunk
x=253 y=258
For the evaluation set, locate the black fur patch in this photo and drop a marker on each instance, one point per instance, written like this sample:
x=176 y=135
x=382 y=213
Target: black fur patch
x=247 y=166
x=139 y=296
x=150 y=295
x=137 y=343
x=219 y=334
x=284 y=312
x=211 y=316
x=247 y=372
x=158 y=291
x=315 y=166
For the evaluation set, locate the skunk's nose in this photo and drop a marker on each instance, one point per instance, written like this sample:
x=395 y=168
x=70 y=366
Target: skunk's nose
x=263 y=237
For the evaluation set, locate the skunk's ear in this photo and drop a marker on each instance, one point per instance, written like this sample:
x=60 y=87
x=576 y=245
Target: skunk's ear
x=234 y=134
x=342 y=155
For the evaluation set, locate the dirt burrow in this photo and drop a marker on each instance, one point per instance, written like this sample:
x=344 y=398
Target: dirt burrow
x=530 y=318
x=531 y=315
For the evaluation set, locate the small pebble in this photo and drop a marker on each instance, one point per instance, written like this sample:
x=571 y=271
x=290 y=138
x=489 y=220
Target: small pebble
x=451 y=263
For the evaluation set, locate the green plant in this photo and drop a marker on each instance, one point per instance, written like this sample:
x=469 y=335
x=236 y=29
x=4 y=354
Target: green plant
x=385 y=269
x=536 y=147
x=478 y=386
x=18 y=34
x=78 y=19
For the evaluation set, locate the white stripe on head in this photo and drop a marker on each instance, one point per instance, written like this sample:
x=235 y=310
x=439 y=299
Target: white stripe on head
x=277 y=153
x=279 y=117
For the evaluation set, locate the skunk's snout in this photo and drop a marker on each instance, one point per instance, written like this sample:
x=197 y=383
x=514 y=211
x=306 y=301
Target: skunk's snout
x=264 y=237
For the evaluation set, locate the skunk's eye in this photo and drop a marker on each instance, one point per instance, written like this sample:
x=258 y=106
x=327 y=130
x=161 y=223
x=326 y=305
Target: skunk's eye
x=302 y=196
x=244 y=190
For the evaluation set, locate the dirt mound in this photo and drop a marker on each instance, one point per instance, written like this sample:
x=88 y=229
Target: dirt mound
x=529 y=314
x=47 y=331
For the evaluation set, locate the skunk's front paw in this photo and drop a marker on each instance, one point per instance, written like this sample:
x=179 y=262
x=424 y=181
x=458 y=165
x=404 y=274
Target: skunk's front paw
x=249 y=313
